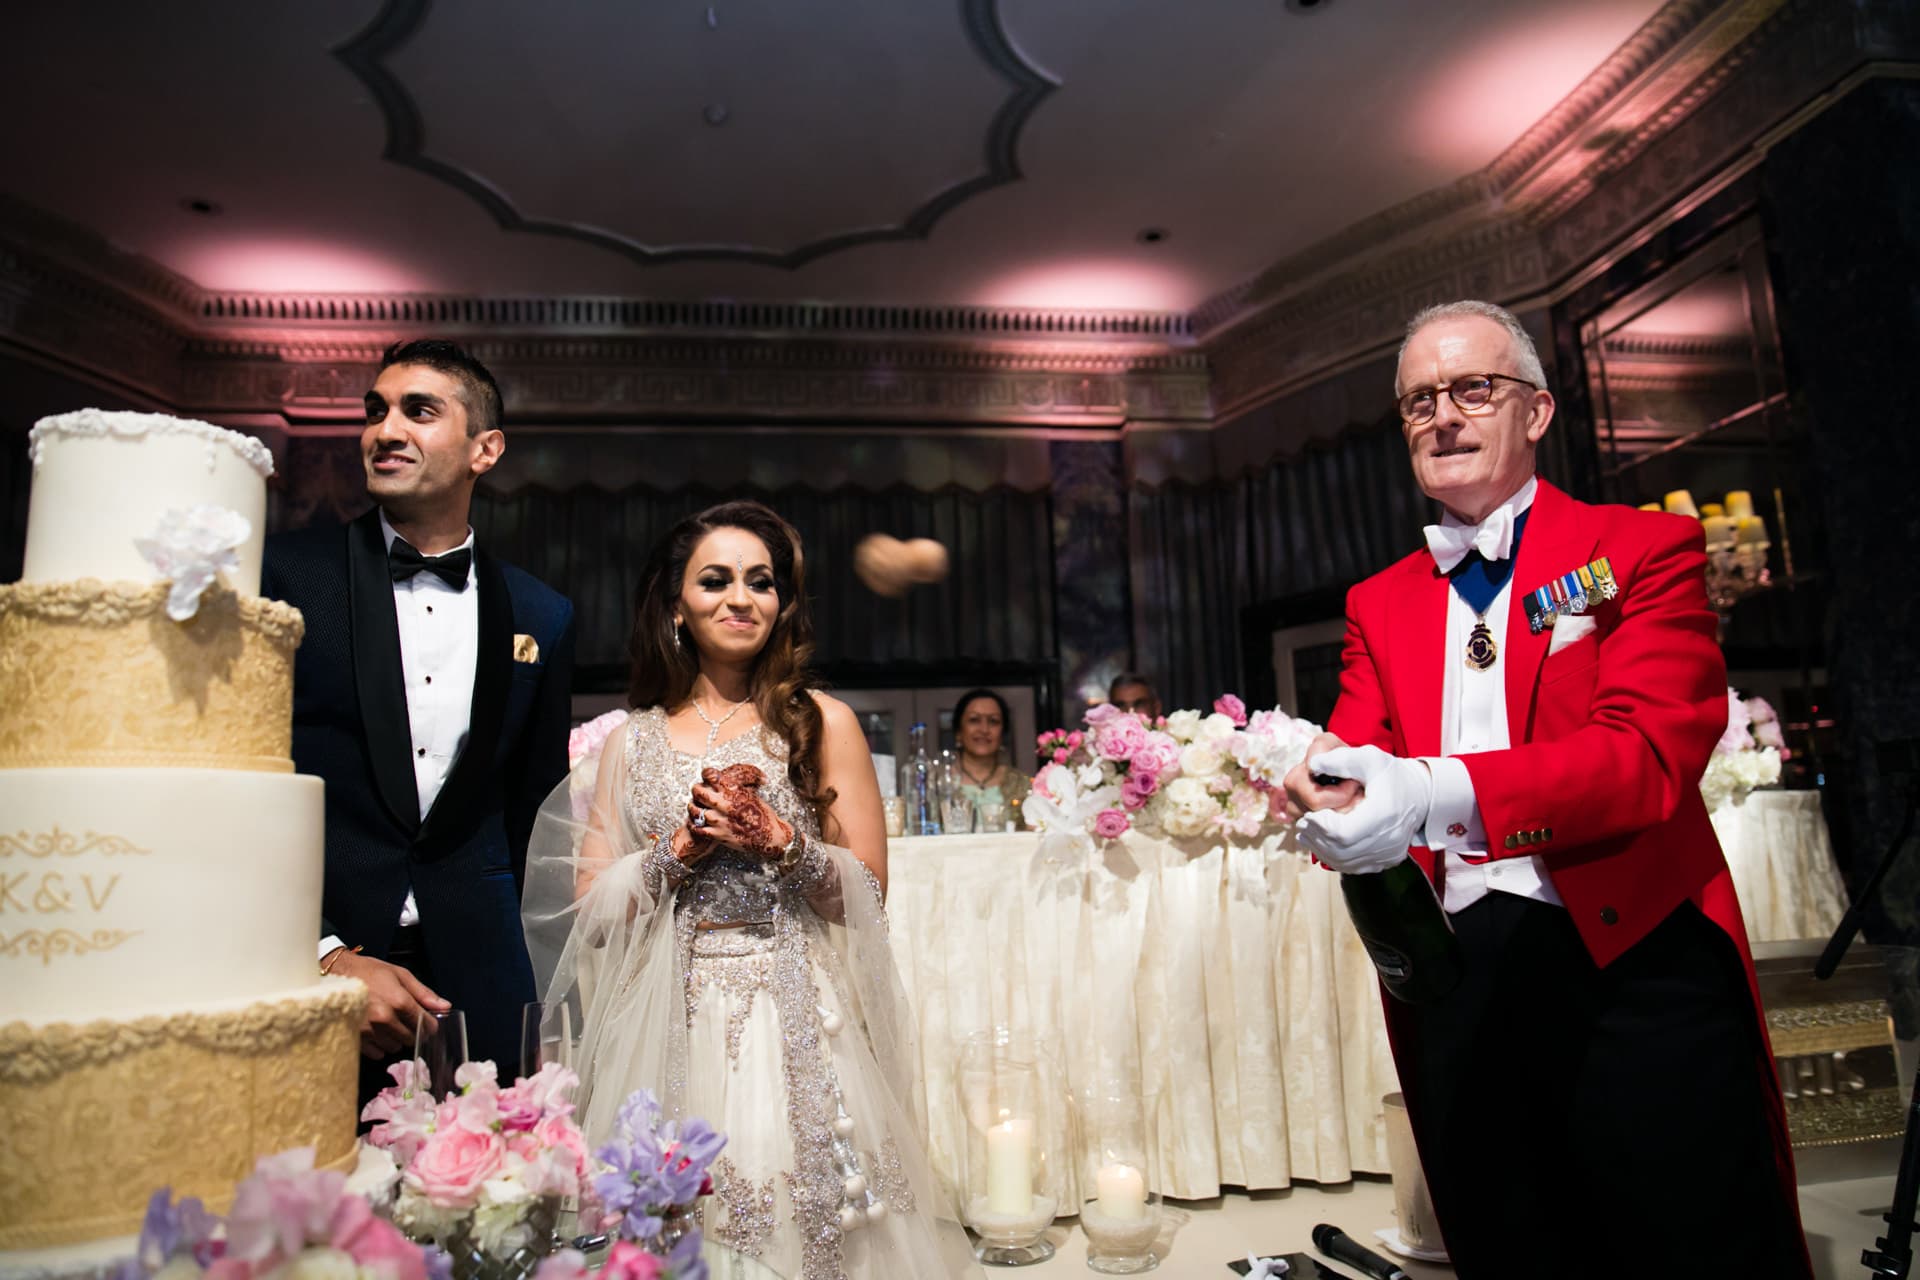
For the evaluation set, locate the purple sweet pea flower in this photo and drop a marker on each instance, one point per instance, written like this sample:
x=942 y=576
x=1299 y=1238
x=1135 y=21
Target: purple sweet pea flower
x=168 y=1230
x=684 y=1261
x=652 y=1167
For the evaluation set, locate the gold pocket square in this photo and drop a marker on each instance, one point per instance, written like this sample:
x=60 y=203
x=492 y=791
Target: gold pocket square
x=525 y=649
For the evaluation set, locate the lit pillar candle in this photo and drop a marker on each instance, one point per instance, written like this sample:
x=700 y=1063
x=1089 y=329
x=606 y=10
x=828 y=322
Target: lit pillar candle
x=1010 y=1167
x=1680 y=502
x=1650 y=506
x=1751 y=530
x=1123 y=1192
x=1720 y=530
x=1740 y=504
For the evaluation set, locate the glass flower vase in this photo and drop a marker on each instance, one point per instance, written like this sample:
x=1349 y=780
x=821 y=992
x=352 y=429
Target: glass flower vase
x=515 y=1255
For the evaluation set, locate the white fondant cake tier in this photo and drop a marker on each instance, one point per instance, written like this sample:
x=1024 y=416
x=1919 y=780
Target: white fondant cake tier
x=134 y=891
x=101 y=480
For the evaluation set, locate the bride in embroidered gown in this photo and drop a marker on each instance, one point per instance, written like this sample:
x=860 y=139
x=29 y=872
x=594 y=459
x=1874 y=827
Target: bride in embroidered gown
x=712 y=907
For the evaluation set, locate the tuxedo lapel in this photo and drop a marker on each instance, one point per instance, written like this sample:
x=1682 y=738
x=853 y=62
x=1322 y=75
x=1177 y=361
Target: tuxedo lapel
x=472 y=770
x=377 y=674
x=1556 y=541
x=1419 y=646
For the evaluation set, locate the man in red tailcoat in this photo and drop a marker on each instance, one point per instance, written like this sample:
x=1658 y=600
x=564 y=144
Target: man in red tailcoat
x=1526 y=707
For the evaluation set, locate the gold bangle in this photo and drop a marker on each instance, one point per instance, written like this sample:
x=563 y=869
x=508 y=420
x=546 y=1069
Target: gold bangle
x=333 y=958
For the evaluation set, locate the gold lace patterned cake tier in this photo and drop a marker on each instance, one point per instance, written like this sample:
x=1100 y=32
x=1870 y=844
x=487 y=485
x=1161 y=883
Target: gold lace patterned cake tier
x=98 y=1116
x=96 y=674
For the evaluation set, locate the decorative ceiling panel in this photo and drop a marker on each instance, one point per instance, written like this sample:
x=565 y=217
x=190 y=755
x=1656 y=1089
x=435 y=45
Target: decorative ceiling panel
x=766 y=133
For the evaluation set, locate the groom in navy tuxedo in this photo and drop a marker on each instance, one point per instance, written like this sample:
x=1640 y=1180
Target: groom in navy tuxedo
x=432 y=694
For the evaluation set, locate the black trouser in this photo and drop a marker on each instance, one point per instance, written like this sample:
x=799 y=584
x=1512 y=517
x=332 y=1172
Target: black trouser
x=1577 y=1121
x=408 y=950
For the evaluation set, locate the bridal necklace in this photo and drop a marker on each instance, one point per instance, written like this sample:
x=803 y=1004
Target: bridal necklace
x=713 y=726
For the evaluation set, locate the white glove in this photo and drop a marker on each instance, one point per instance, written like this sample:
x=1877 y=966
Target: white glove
x=1375 y=833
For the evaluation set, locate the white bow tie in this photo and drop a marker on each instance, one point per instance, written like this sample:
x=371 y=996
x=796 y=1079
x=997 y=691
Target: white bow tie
x=1492 y=538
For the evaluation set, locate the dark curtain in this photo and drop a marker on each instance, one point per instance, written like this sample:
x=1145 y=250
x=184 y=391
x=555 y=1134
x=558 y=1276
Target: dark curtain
x=996 y=605
x=1296 y=531
x=16 y=476
x=1203 y=552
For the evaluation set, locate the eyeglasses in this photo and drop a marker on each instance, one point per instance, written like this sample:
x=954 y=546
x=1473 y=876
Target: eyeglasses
x=1470 y=393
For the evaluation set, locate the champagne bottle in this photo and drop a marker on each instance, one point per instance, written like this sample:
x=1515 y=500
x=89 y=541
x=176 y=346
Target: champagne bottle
x=1405 y=930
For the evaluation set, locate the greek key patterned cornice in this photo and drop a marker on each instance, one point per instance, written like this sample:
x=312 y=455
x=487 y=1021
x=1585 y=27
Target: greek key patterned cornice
x=552 y=381
x=71 y=300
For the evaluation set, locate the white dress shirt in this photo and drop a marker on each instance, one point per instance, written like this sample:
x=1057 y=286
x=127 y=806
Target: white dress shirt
x=439 y=652
x=1473 y=718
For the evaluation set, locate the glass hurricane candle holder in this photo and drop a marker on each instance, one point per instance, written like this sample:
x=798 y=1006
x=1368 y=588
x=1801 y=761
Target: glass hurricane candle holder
x=1014 y=1121
x=1121 y=1212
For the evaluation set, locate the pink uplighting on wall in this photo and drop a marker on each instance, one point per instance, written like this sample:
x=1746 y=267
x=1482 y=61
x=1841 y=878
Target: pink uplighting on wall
x=1710 y=308
x=1464 y=112
x=1102 y=284
x=271 y=265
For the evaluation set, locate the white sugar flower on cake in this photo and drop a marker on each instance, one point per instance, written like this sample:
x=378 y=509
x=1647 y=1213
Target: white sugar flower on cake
x=189 y=548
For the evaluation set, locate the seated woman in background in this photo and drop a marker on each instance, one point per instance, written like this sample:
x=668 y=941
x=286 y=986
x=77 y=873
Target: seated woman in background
x=980 y=723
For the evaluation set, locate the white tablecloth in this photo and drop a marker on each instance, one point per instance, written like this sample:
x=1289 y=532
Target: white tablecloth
x=1228 y=978
x=1782 y=861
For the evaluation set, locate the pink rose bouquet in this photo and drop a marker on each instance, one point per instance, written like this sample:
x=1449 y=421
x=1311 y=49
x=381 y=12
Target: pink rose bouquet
x=484 y=1166
x=1190 y=774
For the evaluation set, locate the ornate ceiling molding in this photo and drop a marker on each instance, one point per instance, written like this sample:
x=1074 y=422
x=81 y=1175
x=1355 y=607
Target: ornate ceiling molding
x=452 y=313
x=1722 y=76
x=71 y=301
x=1707 y=86
x=399 y=20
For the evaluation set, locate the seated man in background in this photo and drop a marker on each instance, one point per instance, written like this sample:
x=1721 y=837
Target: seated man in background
x=1131 y=691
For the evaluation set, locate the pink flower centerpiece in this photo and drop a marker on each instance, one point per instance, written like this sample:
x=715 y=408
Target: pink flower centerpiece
x=1748 y=755
x=1188 y=775
x=484 y=1170
x=289 y=1221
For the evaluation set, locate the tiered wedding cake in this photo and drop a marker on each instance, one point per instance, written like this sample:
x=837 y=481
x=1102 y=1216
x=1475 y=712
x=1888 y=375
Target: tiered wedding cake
x=162 y=1018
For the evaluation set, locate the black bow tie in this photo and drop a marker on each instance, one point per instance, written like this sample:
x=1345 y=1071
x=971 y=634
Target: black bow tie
x=452 y=568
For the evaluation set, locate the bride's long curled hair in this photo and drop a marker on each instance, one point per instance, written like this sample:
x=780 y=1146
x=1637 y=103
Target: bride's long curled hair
x=664 y=665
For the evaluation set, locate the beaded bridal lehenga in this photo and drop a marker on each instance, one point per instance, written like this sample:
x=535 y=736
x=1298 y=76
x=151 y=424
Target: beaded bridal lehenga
x=767 y=1006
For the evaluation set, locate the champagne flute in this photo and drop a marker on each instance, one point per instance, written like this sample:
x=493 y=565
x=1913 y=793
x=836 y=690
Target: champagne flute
x=546 y=1036
x=440 y=1041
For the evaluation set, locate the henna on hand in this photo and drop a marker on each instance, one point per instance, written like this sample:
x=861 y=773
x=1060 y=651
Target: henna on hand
x=753 y=826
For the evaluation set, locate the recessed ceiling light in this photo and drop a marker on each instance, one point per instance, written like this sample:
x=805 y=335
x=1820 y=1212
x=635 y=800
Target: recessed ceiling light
x=1307 y=6
x=1152 y=235
x=715 y=114
x=205 y=208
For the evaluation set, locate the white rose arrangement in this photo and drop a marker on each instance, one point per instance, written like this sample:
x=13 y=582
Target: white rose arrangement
x=1190 y=774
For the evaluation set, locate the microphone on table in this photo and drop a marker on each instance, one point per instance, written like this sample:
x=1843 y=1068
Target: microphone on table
x=1336 y=1244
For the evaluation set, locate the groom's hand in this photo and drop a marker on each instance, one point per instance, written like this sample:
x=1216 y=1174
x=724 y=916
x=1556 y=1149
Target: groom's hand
x=396 y=1002
x=1308 y=792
